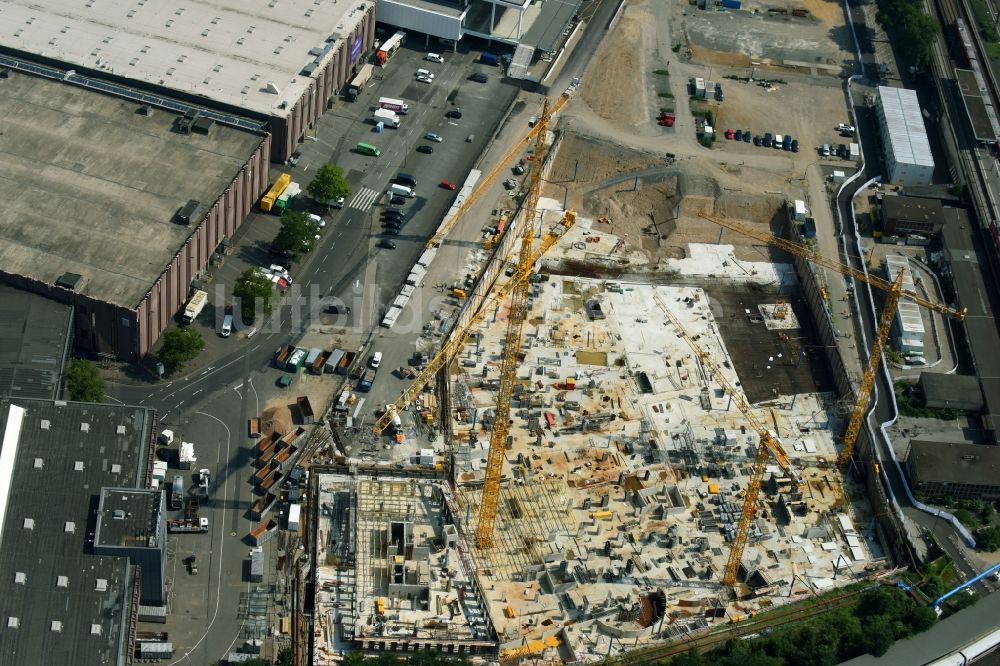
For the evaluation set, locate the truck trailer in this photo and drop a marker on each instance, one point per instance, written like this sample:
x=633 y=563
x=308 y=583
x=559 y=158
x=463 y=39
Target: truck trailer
x=177 y=492
x=197 y=303
x=390 y=104
x=359 y=82
x=185 y=526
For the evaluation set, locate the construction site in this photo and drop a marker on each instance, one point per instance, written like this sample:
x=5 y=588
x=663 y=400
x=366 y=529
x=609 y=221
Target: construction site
x=624 y=425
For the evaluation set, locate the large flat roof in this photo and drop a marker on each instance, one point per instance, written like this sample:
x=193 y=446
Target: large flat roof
x=245 y=53
x=91 y=187
x=975 y=107
x=956 y=462
x=907 y=135
x=54 y=459
x=34 y=337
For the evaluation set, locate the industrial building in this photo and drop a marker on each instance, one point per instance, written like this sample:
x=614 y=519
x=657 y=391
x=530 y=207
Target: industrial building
x=61 y=602
x=522 y=27
x=904 y=216
x=905 y=147
x=257 y=64
x=944 y=391
x=954 y=469
x=908 y=324
x=35 y=333
x=104 y=212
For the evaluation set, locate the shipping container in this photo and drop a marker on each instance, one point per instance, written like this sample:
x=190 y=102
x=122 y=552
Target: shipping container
x=256 y=565
x=294 y=515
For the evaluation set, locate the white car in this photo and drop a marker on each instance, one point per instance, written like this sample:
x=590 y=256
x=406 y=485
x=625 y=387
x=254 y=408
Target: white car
x=842 y=127
x=317 y=219
x=434 y=57
x=424 y=72
x=431 y=136
x=376 y=359
x=204 y=477
x=425 y=79
x=336 y=203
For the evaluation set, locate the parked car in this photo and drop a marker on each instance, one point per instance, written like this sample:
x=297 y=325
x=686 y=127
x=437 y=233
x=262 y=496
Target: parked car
x=436 y=138
x=795 y=145
x=739 y=135
x=767 y=140
x=284 y=381
x=845 y=128
x=448 y=185
x=434 y=57
x=479 y=77
x=425 y=79
x=824 y=150
x=387 y=244
x=336 y=203
x=294 y=158
x=397 y=199
x=425 y=149
x=454 y=113
x=756 y=140
x=842 y=152
x=390 y=232
x=746 y=136
x=425 y=72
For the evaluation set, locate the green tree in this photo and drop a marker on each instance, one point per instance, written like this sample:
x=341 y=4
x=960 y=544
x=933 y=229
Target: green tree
x=329 y=183
x=84 y=382
x=297 y=234
x=250 y=287
x=180 y=345
x=988 y=538
x=354 y=659
x=913 y=31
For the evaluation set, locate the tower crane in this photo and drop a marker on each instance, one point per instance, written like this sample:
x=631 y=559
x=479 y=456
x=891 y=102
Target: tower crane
x=481 y=187
x=768 y=446
x=511 y=345
x=894 y=291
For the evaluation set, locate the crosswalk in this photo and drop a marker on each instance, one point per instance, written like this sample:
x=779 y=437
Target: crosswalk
x=364 y=199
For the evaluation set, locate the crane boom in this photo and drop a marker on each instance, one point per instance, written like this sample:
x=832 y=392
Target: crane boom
x=768 y=446
x=511 y=346
x=802 y=251
x=481 y=187
x=457 y=339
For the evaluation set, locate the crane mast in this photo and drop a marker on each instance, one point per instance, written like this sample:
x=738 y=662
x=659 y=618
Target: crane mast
x=511 y=345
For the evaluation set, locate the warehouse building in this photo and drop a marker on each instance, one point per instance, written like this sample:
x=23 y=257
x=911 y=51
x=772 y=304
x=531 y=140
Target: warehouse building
x=908 y=324
x=954 y=469
x=60 y=602
x=118 y=233
x=242 y=62
x=906 y=149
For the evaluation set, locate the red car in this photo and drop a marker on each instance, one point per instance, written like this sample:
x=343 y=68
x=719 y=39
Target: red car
x=448 y=185
x=666 y=119
x=730 y=133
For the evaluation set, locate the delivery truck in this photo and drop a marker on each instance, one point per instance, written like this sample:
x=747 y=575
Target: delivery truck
x=390 y=104
x=197 y=303
x=387 y=117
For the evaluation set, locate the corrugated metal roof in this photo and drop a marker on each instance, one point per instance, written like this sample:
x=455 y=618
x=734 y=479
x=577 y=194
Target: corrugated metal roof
x=907 y=312
x=906 y=135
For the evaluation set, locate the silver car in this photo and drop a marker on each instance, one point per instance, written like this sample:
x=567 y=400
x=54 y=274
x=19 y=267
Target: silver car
x=431 y=136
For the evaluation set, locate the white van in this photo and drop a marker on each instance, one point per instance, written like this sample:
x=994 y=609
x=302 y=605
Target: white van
x=425 y=72
x=376 y=359
x=227 y=326
x=401 y=190
x=434 y=57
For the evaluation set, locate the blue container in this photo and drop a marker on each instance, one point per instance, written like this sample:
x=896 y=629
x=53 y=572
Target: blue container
x=489 y=58
x=731 y=4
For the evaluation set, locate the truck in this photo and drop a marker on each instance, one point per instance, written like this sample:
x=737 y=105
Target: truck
x=388 y=48
x=177 y=492
x=186 y=457
x=386 y=117
x=185 y=526
x=305 y=409
x=366 y=381
x=489 y=58
x=359 y=82
x=197 y=303
x=397 y=105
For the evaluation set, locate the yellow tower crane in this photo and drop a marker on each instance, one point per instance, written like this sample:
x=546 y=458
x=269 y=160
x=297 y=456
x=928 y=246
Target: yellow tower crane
x=895 y=292
x=511 y=345
x=768 y=445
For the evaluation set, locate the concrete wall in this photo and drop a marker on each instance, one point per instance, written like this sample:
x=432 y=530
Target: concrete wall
x=287 y=131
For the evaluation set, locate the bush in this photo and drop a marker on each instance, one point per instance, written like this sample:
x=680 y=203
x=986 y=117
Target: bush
x=988 y=538
x=84 y=382
x=661 y=72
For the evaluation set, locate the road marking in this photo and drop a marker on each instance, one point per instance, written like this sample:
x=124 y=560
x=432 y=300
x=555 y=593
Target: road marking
x=364 y=199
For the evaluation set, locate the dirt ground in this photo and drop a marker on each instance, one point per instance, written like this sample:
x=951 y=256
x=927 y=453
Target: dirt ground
x=619 y=53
